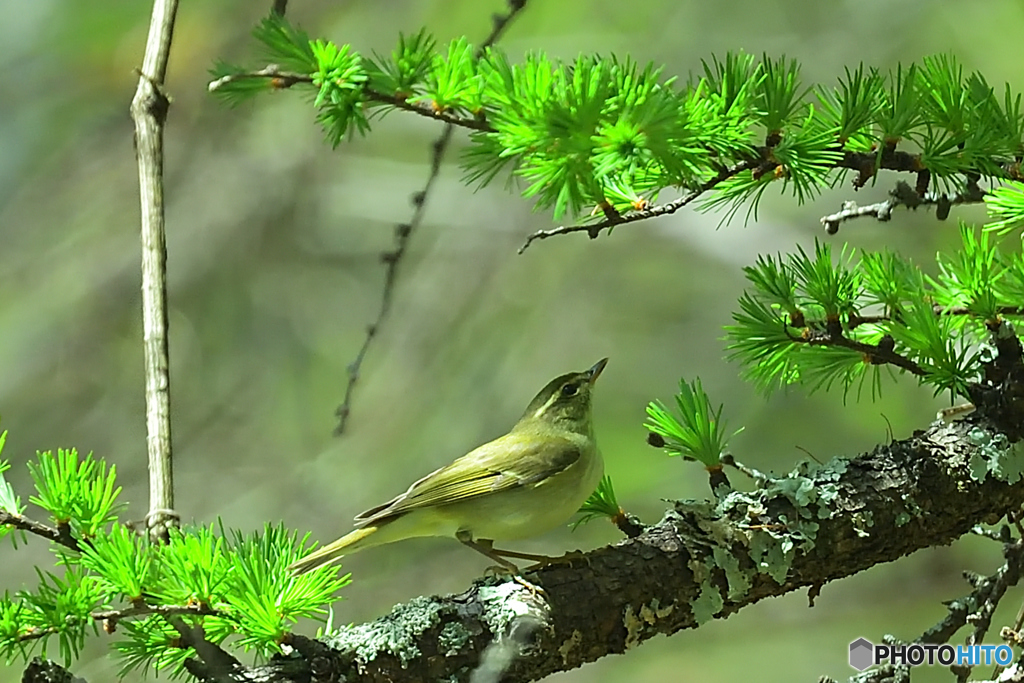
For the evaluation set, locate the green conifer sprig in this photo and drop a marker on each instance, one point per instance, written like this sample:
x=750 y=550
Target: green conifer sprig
x=604 y=136
x=601 y=503
x=235 y=586
x=820 y=320
x=695 y=430
x=1006 y=205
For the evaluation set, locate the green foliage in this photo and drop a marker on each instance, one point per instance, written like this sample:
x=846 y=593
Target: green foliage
x=969 y=277
x=121 y=560
x=340 y=77
x=407 y=69
x=9 y=500
x=234 y=586
x=264 y=598
x=1006 y=204
x=696 y=432
x=152 y=643
x=820 y=321
x=601 y=503
x=58 y=607
x=76 y=492
x=285 y=45
x=854 y=107
x=777 y=96
x=602 y=134
x=194 y=568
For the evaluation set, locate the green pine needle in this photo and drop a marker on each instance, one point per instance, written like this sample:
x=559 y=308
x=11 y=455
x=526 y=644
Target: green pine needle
x=265 y=598
x=1006 y=205
x=696 y=432
x=76 y=491
x=601 y=503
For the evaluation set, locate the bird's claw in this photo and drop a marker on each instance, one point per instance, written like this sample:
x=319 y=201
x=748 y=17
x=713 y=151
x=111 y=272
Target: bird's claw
x=504 y=572
x=562 y=559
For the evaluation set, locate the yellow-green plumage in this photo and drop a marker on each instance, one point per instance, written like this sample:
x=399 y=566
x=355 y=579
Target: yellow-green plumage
x=519 y=485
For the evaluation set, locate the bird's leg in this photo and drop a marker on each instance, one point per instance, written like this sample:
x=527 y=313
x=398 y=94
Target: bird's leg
x=484 y=547
x=540 y=561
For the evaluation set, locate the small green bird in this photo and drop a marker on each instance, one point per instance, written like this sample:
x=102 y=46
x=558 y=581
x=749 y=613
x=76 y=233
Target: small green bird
x=519 y=485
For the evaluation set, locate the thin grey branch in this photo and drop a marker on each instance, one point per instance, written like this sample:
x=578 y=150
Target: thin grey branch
x=282 y=79
x=112 y=616
x=975 y=608
x=404 y=231
x=61 y=534
x=614 y=219
x=149 y=111
x=903 y=195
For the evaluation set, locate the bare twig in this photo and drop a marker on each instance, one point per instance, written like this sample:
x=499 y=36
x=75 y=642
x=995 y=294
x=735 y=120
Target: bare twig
x=61 y=535
x=981 y=601
x=286 y=79
x=404 y=231
x=282 y=79
x=279 y=7
x=149 y=111
x=876 y=354
x=112 y=616
x=903 y=195
x=594 y=229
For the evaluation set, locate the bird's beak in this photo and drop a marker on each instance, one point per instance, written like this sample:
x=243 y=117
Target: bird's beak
x=594 y=372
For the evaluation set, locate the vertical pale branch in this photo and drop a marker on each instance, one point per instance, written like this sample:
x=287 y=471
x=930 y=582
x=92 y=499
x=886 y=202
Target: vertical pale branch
x=149 y=111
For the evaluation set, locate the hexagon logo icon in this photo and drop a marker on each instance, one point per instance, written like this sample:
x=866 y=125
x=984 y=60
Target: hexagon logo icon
x=861 y=651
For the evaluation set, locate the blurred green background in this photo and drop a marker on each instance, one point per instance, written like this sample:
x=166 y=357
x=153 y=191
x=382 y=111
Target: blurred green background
x=274 y=244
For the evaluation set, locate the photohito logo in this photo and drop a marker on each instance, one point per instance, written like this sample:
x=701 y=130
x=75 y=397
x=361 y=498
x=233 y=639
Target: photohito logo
x=864 y=654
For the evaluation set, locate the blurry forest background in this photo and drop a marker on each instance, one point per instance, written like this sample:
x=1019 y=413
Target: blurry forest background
x=274 y=243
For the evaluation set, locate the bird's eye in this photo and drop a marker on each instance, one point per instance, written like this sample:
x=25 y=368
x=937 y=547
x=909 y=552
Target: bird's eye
x=570 y=389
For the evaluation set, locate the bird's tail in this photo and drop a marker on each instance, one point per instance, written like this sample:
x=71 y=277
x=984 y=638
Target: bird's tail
x=349 y=543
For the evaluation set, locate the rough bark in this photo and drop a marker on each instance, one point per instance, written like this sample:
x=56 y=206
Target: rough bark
x=702 y=560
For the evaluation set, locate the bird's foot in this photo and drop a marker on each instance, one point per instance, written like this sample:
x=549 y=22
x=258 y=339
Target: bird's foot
x=541 y=561
x=502 y=572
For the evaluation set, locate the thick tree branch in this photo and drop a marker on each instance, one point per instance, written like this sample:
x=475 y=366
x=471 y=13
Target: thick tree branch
x=41 y=670
x=149 y=111
x=703 y=560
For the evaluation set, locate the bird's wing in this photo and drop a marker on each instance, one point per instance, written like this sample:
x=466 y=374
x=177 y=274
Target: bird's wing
x=505 y=463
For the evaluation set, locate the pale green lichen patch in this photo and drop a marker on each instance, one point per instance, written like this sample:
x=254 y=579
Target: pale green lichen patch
x=806 y=495
x=634 y=627
x=994 y=455
x=772 y=555
x=738 y=580
x=637 y=622
x=452 y=639
x=707 y=604
x=566 y=648
x=396 y=633
x=910 y=510
x=862 y=521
